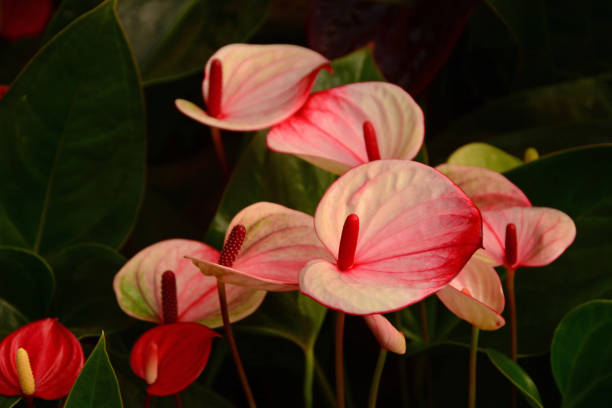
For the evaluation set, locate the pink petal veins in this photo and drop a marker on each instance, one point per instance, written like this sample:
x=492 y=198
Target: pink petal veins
x=329 y=129
x=261 y=85
x=488 y=189
x=386 y=334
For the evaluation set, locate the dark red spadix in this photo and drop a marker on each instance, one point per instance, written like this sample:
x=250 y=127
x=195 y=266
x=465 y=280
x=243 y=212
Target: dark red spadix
x=215 y=88
x=348 y=242
x=511 y=244
x=169 y=297
x=369 y=136
x=232 y=246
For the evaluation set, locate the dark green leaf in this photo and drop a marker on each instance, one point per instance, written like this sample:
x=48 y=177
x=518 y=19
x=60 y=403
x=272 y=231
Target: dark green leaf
x=358 y=66
x=9 y=402
x=484 y=155
x=73 y=145
x=66 y=13
x=26 y=282
x=576 y=182
x=175 y=37
x=581 y=355
x=85 y=298
x=96 y=386
x=10 y=318
x=517 y=376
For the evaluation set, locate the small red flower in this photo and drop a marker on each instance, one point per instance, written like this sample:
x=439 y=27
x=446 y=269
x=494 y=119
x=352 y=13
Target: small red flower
x=42 y=359
x=171 y=356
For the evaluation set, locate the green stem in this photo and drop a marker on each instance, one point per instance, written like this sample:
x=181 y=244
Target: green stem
x=473 y=357
x=513 y=335
x=380 y=364
x=309 y=369
x=324 y=383
x=232 y=343
x=424 y=331
x=339 y=359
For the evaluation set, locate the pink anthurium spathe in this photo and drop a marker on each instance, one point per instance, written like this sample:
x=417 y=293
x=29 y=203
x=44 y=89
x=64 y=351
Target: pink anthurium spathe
x=138 y=285
x=278 y=242
x=398 y=231
x=41 y=359
x=251 y=87
x=171 y=356
x=386 y=334
x=476 y=295
x=343 y=127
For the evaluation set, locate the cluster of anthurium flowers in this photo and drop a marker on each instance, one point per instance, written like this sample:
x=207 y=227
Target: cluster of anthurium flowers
x=388 y=232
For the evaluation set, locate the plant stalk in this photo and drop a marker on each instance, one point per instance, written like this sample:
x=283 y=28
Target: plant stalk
x=472 y=377
x=340 y=360
x=232 y=343
x=177 y=399
x=147 y=401
x=380 y=364
x=424 y=329
x=309 y=369
x=219 y=150
x=513 y=335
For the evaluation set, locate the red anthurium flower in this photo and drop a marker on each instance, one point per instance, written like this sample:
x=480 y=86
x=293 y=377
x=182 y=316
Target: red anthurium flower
x=252 y=87
x=398 y=230
x=138 y=285
x=23 y=18
x=42 y=359
x=278 y=242
x=350 y=125
x=476 y=295
x=3 y=90
x=171 y=356
x=386 y=334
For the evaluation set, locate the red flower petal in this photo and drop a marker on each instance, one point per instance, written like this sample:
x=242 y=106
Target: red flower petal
x=23 y=18
x=3 y=90
x=55 y=354
x=182 y=353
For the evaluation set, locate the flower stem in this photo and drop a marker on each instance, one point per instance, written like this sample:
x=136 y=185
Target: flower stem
x=339 y=359
x=309 y=369
x=177 y=399
x=473 y=357
x=424 y=331
x=147 y=402
x=513 y=336
x=232 y=343
x=380 y=364
x=30 y=401
x=219 y=150
x=324 y=383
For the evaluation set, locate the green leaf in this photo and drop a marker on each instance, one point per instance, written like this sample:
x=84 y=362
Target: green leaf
x=484 y=155
x=72 y=152
x=85 y=300
x=577 y=183
x=10 y=318
x=517 y=376
x=66 y=13
x=97 y=385
x=581 y=355
x=26 y=282
x=263 y=175
x=9 y=402
x=175 y=37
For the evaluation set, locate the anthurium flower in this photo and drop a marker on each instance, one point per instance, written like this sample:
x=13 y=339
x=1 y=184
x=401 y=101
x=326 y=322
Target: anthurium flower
x=488 y=189
x=343 y=127
x=398 y=232
x=3 y=90
x=138 y=285
x=171 y=356
x=252 y=87
x=476 y=295
x=41 y=359
x=278 y=242
x=23 y=18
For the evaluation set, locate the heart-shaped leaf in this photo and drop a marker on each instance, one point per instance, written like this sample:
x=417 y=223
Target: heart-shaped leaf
x=581 y=355
x=26 y=282
x=97 y=384
x=73 y=145
x=517 y=376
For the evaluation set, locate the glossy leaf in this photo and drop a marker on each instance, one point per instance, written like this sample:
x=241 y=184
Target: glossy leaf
x=84 y=297
x=559 y=181
x=138 y=285
x=23 y=18
x=73 y=144
x=328 y=131
x=9 y=402
x=580 y=355
x=26 y=281
x=517 y=376
x=262 y=175
x=97 y=384
x=410 y=221
x=66 y=13
x=10 y=318
x=484 y=155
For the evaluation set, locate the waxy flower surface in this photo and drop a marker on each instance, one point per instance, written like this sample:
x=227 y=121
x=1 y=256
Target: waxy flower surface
x=138 y=285
x=251 y=87
x=410 y=231
x=171 y=356
x=476 y=295
x=41 y=359
x=344 y=127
